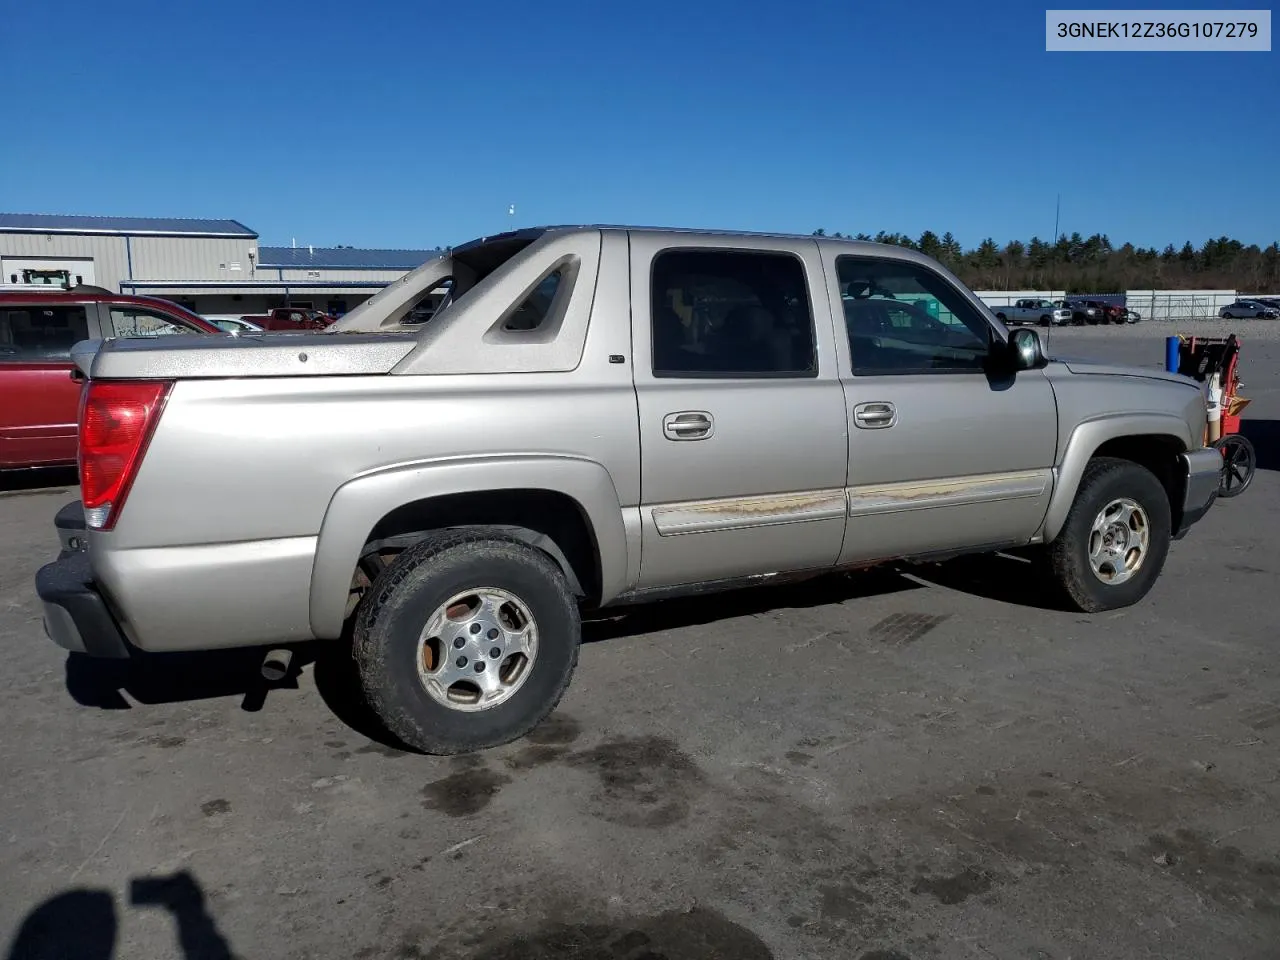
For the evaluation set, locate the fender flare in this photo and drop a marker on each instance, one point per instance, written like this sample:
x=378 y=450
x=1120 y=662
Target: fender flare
x=358 y=505
x=1085 y=439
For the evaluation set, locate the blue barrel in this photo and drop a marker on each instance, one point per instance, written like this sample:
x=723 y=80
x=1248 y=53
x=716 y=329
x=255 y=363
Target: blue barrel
x=1171 y=345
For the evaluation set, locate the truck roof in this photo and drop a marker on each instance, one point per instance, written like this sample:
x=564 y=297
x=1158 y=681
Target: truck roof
x=529 y=234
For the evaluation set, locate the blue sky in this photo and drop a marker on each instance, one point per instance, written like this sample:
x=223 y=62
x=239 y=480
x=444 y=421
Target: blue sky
x=410 y=124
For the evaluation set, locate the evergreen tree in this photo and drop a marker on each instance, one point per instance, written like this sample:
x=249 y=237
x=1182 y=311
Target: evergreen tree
x=1094 y=264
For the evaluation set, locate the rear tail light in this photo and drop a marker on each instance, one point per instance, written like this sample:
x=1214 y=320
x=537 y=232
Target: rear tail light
x=117 y=419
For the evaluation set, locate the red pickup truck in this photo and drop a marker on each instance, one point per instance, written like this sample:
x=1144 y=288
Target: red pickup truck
x=290 y=318
x=38 y=327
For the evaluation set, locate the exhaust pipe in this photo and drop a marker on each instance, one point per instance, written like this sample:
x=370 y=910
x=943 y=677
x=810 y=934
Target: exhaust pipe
x=276 y=665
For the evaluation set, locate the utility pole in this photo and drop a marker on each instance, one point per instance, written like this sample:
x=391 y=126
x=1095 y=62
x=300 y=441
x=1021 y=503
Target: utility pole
x=1057 y=206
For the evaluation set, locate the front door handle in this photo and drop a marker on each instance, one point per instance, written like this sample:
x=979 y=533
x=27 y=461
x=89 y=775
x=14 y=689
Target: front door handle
x=688 y=425
x=876 y=415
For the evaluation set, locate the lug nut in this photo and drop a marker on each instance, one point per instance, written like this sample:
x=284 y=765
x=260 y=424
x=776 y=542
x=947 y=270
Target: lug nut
x=461 y=661
x=476 y=628
x=495 y=653
x=492 y=634
x=459 y=643
x=479 y=666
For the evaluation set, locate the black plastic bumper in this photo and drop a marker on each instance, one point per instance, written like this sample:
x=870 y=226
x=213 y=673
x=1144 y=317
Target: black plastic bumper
x=76 y=617
x=71 y=528
x=1200 y=486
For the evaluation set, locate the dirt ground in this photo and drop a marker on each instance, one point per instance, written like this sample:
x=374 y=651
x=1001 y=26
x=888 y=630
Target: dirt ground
x=890 y=766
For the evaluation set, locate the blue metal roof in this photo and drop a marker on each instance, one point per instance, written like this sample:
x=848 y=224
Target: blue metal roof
x=130 y=226
x=342 y=258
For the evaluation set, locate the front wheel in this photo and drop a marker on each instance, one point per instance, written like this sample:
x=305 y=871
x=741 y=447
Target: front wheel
x=1116 y=538
x=467 y=641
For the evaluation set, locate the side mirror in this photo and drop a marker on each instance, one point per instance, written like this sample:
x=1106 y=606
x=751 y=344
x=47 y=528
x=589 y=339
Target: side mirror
x=1026 y=352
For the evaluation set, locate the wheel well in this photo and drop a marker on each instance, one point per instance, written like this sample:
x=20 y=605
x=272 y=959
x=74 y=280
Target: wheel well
x=553 y=522
x=1157 y=453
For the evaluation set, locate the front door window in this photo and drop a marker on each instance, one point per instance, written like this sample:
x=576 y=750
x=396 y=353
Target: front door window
x=902 y=318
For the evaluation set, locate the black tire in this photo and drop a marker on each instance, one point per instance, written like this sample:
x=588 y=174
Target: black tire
x=1046 y=320
x=407 y=593
x=1105 y=480
x=1239 y=462
x=1001 y=318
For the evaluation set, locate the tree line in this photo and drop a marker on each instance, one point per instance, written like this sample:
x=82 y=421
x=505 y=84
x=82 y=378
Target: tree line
x=1078 y=264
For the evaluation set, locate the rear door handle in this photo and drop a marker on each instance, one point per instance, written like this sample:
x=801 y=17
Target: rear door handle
x=875 y=415
x=688 y=425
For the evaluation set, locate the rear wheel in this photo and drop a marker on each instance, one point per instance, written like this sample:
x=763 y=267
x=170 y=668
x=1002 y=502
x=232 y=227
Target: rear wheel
x=1116 y=537
x=468 y=640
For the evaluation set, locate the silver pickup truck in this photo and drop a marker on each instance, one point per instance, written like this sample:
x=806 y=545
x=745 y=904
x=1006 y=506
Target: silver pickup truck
x=595 y=416
x=1042 y=312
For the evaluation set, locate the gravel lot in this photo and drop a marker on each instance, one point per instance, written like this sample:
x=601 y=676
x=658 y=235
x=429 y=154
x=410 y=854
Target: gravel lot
x=882 y=766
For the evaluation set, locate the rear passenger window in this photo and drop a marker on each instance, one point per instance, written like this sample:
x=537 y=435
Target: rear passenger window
x=35 y=333
x=731 y=313
x=129 y=322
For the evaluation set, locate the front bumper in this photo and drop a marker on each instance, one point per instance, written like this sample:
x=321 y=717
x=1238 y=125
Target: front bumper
x=1200 y=490
x=76 y=617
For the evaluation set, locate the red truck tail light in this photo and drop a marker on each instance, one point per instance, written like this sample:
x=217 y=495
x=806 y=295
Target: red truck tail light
x=116 y=423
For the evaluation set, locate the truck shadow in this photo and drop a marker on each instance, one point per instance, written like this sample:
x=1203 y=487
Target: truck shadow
x=696 y=611
x=1004 y=577
x=153 y=678
x=38 y=480
x=183 y=677
x=1265 y=437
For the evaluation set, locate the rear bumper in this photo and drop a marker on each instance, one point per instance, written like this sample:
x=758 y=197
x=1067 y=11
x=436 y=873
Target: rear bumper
x=1200 y=490
x=173 y=599
x=76 y=617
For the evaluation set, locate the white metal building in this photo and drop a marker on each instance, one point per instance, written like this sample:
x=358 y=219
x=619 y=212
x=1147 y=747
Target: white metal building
x=210 y=266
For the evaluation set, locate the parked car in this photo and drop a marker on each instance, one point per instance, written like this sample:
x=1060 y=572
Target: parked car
x=1248 y=310
x=597 y=416
x=1084 y=310
x=289 y=318
x=1043 y=312
x=1081 y=313
x=1113 y=312
x=39 y=324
